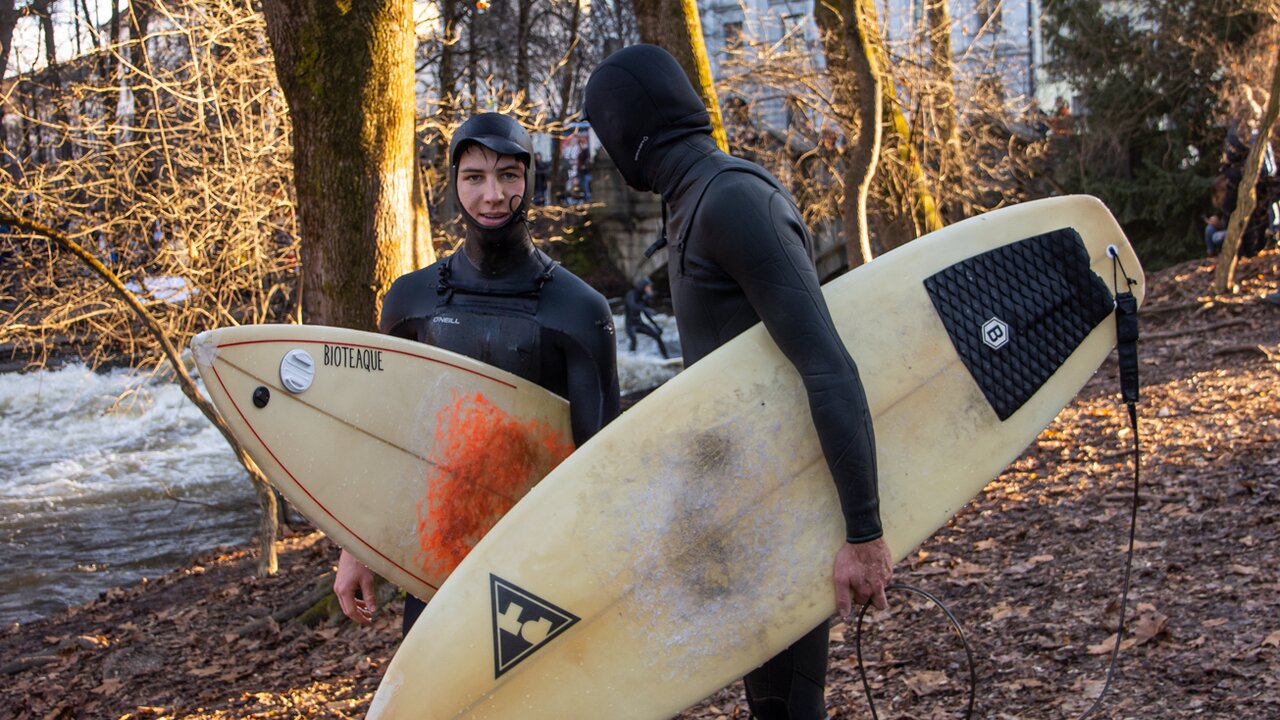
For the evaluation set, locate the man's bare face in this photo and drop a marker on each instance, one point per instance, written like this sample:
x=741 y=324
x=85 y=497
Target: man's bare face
x=490 y=186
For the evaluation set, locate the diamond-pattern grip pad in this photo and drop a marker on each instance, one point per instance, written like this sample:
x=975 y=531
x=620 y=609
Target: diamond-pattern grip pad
x=1016 y=313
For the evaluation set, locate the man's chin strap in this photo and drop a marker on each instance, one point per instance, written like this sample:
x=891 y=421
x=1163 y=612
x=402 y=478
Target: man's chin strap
x=519 y=214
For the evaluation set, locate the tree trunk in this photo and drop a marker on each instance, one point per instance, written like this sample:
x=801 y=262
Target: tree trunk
x=111 y=66
x=855 y=75
x=473 y=63
x=9 y=15
x=675 y=26
x=347 y=74
x=916 y=197
x=144 y=98
x=566 y=99
x=83 y=12
x=64 y=150
x=41 y=9
x=952 y=171
x=1246 y=199
x=448 y=75
x=523 y=25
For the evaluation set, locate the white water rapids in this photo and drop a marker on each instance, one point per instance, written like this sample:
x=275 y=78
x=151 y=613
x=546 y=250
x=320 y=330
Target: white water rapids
x=98 y=491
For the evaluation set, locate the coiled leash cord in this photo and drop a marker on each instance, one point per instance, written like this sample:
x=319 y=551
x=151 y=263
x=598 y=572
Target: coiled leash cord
x=1127 y=354
x=955 y=625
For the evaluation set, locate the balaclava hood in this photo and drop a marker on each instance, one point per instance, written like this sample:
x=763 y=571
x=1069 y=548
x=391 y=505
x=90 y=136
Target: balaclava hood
x=505 y=136
x=640 y=99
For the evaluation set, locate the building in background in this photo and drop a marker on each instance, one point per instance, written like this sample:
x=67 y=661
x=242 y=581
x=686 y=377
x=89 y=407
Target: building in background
x=991 y=40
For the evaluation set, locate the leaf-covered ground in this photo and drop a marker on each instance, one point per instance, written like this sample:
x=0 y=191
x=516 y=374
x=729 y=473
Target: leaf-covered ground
x=1032 y=568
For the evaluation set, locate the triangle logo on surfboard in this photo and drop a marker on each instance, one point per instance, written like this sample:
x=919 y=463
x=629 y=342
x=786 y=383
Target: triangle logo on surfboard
x=522 y=623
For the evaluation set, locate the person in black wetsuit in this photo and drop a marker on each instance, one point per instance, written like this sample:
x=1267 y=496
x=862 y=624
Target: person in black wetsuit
x=639 y=319
x=738 y=253
x=501 y=301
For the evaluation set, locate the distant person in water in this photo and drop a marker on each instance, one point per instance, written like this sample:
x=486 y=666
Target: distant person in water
x=639 y=318
x=504 y=303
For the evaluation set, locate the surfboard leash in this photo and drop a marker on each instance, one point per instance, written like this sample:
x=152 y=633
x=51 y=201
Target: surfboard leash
x=955 y=625
x=1127 y=355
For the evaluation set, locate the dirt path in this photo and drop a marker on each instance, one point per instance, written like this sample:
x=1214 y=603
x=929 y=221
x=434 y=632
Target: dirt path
x=1032 y=568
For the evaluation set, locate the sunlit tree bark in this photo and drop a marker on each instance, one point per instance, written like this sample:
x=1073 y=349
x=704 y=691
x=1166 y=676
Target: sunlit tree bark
x=858 y=99
x=675 y=26
x=918 y=197
x=347 y=73
x=858 y=67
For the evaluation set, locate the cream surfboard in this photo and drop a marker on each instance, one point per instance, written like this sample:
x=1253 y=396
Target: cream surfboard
x=404 y=454
x=692 y=538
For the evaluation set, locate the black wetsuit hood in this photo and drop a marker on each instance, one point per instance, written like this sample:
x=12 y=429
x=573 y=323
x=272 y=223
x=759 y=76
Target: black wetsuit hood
x=505 y=136
x=642 y=106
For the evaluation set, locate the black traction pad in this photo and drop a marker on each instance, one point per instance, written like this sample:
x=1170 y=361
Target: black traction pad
x=1016 y=313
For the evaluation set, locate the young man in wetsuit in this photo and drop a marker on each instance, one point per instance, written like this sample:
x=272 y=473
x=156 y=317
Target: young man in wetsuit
x=738 y=253
x=501 y=301
x=638 y=317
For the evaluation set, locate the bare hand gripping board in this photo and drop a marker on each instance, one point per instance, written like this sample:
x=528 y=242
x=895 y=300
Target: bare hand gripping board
x=403 y=453
x=692 y=538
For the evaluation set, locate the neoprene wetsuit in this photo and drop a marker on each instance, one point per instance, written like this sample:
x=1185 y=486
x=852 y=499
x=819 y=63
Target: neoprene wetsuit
x=538 y=321
x=738 y=254
x=639 y=320
x=523 y=312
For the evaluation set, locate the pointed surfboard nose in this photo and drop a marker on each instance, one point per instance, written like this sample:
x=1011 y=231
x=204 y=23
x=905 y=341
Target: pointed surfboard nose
x=204 y=347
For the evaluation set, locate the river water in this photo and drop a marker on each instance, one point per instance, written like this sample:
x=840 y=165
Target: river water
x=107 y=478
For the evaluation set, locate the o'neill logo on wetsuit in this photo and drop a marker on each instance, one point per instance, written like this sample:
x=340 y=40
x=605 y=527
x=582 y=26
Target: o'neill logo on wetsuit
x=995 y=333
x=522 y=623
x=356 y=358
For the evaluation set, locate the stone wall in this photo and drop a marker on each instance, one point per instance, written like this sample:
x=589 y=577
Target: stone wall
x=627 y=223
x=630 y=221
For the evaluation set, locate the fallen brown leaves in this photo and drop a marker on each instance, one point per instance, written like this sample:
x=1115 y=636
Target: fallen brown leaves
x=1032 y=568
x=201 y=642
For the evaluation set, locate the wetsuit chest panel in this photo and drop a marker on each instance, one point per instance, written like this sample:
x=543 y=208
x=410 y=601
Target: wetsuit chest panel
x=503 y=333
x=711 y=305
x=711 y=308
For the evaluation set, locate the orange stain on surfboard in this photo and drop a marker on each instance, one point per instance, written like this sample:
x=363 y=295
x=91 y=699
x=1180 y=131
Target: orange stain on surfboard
x=484 y=461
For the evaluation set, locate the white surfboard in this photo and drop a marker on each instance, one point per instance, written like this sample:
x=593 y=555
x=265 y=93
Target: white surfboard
x=403 y=453
x=692 y=538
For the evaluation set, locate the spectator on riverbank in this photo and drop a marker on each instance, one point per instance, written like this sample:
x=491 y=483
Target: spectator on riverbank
x=1215 y=232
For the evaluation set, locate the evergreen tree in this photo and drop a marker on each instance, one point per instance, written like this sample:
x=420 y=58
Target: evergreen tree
x=1148 y=79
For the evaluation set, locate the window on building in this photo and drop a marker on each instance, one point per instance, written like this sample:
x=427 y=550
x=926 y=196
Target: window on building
x=733 y=35
x=989 y=14
x=793 y=31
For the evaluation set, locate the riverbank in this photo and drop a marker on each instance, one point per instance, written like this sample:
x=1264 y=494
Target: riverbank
x=1032 y=568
